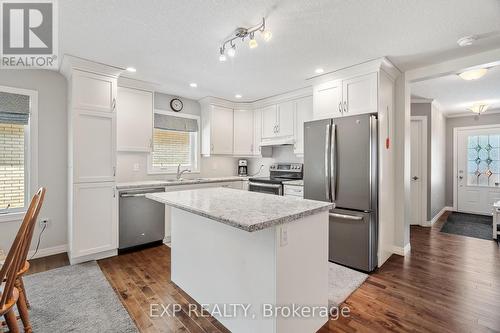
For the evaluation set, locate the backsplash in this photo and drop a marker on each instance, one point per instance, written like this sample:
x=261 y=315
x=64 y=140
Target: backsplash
x=214 y=166
x=280 y=154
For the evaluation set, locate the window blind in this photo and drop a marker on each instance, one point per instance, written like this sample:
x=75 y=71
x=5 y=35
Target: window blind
x=14 y=108
x=173 y=123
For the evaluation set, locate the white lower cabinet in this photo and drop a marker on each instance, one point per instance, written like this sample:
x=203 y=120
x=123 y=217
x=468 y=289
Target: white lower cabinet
x=95 y=225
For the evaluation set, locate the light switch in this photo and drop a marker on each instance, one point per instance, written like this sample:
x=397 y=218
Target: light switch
x=136 y=167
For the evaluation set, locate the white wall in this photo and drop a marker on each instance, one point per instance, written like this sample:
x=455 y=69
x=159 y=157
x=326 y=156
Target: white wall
x=52 y=152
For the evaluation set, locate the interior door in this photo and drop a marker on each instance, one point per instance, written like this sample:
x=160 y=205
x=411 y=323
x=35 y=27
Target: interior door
x=416 y=172
x=478 y=170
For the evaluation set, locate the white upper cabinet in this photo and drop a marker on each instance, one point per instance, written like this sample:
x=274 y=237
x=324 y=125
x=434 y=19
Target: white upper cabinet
x=269 y=122
x=94 y=92
x=217 y=130
x=257 y=132
x=328 y=100
x=286 y=115
x=134 y=120
x=352 y=96
x=243 y=132
x=360 y=94
x=304 y=113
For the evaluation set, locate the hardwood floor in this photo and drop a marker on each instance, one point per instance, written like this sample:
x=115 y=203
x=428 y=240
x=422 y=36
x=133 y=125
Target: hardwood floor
x=448 y=283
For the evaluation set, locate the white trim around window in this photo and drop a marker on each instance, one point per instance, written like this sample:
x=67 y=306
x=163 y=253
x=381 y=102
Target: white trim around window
x=31 y=136
x=197 y=152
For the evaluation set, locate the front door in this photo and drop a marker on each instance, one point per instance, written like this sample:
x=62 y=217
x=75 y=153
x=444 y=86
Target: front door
x=478 y=169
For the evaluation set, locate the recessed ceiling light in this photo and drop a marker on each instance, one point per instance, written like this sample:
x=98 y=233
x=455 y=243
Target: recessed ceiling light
x=131 y=69
x=319 y=70
x=473 y=74
x=193 y=85
x=467 y=40
x=238 y=96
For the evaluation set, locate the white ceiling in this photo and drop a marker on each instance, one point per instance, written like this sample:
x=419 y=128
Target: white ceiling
x=176 y=42
x=456 y=95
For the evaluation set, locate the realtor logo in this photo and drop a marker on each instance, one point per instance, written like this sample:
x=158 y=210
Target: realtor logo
x=28 y=33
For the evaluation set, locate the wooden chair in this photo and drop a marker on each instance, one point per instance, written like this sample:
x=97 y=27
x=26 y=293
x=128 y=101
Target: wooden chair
x=18 y=261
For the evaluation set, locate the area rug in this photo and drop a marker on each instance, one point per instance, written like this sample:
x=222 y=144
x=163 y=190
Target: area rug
x=342 y=282
x=470 y=225
x=75 y=299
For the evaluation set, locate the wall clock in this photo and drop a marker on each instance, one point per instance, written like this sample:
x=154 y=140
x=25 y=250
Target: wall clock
x=176 y=104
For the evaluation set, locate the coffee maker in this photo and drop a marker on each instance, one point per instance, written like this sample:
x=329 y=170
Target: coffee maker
x=242 y=168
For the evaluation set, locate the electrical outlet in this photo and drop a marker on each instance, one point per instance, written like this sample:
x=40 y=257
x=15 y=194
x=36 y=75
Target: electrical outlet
x=283 y=236
x=136 y=167
x=44 y=222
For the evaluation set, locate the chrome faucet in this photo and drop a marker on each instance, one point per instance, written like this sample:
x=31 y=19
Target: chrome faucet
x=181 y=172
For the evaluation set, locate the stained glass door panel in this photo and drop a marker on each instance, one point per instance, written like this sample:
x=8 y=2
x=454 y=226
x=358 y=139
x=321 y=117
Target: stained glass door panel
x=483 y=160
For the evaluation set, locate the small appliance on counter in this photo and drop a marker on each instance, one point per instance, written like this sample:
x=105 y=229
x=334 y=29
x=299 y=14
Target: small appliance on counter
x=279 y=173
x=242 y=168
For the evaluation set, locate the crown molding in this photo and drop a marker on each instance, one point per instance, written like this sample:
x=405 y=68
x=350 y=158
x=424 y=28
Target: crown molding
x=471 y=114
x=70 y=63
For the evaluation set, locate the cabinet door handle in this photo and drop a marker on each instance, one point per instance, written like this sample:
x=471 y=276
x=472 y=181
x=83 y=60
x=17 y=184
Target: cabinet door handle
x=114 y=171
x=345 y=107
x=212 y=147
x=340 y=107
x=114 y=104
x=277 y=128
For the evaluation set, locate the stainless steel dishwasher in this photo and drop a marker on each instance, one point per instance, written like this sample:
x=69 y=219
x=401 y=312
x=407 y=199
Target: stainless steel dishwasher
x=141 y=220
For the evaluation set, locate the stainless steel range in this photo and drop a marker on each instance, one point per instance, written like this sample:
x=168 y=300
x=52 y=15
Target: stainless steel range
x=278 y=173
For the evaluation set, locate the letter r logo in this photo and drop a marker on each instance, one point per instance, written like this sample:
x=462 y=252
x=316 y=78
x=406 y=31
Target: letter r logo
x=27 y=28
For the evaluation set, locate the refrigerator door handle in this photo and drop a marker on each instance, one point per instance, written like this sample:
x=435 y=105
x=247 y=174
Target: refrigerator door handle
x=327 y=175
x=346 y=217
x=333 y=161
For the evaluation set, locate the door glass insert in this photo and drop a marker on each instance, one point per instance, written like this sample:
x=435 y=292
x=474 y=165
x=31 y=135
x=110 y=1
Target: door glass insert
x=483 y=160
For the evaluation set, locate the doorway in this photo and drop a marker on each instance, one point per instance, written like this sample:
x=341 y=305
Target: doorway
x=477 y=168
x=419 y=170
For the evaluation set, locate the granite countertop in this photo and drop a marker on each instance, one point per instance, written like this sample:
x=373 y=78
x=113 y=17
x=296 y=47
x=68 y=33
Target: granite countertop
x=185 y=181
x=299 y=182
x=249 y=211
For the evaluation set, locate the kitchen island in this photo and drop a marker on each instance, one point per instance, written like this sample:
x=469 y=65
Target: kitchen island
x=251 y=252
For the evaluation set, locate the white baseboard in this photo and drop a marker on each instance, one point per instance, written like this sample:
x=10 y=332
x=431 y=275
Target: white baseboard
x=402 y=251
x=92 y=257
x=48 y=251
x=438 y=215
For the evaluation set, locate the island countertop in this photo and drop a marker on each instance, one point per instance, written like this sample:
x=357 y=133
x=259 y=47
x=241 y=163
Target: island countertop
x=249 y=211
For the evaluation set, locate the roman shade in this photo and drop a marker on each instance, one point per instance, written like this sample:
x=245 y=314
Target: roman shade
x=14 y=108
x=174 y=123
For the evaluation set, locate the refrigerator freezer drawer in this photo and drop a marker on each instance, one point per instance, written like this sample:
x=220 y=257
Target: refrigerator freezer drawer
x=353 y=240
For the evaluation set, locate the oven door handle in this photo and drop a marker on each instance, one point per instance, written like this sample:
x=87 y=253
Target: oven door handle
x=265 y=185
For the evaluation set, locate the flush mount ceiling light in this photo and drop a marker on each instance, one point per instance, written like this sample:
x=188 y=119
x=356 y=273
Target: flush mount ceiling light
x=193 y=85
x=229 y=47
x=131 y=69
x=479 y=108
x=473 y=74
x=319 y=70
x=238 y=96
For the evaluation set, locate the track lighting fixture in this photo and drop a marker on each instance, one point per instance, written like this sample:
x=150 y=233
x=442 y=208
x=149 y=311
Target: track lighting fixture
x=242 y=33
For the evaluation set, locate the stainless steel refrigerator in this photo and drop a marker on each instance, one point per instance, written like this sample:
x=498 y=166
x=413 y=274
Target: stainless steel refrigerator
x=340 y=166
